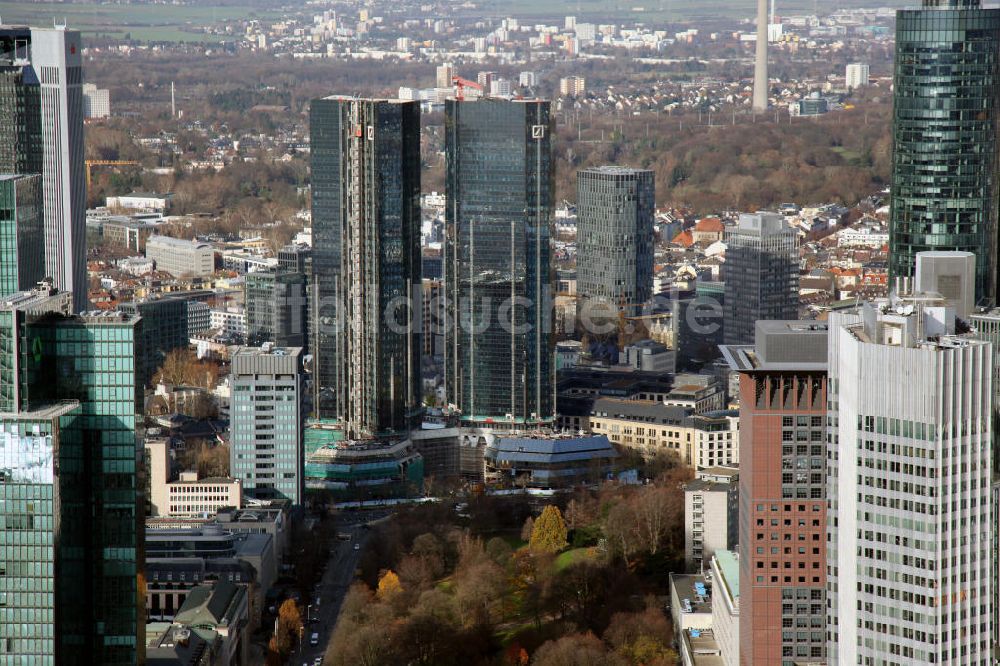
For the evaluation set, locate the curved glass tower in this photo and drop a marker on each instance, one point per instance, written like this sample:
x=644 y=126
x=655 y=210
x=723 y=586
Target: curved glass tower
x=945 y=137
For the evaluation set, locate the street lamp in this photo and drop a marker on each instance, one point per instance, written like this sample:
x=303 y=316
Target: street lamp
x=309 y=614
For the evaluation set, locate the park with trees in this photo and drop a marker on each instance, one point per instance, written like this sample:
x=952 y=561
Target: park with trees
x=582 y=579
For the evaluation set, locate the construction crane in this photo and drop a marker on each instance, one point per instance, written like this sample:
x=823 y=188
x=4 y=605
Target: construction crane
x=460 y=86
x=114 y=163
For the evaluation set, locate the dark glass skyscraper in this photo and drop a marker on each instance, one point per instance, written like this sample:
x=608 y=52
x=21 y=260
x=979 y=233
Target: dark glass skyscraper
x=500 y=188
x=41 y=131
x=761 y=274
x=366 y=261
x=944 y=167
x=20 y=105
x=22 y=235
x=615 y=209
x=276 y=308
x=71 y=547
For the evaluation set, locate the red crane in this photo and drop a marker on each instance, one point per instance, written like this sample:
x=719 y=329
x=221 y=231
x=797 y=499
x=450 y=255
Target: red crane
x=460 y=86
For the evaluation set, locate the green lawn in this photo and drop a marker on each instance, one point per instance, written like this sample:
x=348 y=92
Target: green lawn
x=666 y=10
x=574 y=556
x=144 y=22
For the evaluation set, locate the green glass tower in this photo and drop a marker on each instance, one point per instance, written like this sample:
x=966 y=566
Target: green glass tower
x=22 y=234
x=72 y=513
x=944 y=167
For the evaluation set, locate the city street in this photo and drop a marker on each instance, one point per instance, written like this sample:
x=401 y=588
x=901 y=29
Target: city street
x=337 y=579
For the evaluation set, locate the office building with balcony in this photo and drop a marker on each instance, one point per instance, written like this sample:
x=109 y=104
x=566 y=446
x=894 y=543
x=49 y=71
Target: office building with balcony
x=711 y=518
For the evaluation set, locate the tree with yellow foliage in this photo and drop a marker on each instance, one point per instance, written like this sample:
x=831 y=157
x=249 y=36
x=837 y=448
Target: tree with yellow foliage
x=389 y=586
x=548 y=534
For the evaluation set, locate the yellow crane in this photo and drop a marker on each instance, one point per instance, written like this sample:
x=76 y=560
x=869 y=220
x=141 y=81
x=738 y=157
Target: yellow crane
x=113 y=163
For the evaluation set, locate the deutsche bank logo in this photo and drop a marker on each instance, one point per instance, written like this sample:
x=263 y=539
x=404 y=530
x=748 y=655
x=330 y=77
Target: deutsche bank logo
x=538 y=131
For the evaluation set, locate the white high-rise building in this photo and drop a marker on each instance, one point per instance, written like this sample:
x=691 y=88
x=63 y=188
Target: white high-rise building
x=910 y=516
x=266 y=439
x=56 y=58
x=586 y=32
x=96 y=101
x=500 y=88
x=445 y=74
x=857 y=75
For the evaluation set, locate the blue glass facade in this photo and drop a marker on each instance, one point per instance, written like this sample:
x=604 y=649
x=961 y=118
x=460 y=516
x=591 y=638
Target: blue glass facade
x=500 y=185
x=944 y=172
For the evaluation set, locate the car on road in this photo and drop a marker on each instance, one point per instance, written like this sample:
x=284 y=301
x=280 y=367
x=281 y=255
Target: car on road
x=357 y=546
x=314 y=639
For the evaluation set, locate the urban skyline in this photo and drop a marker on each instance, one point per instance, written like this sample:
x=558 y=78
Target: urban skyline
x=539 y=363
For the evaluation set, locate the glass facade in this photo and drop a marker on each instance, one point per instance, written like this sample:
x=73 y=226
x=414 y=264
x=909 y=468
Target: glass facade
x=365 y=158
x=498 y=280
x=40 y=454
x=20 y=106
x=22 y=234
x=89 y=362
x=615 y=209
x=761 y=274
x=276 y=308
x=944 y=174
